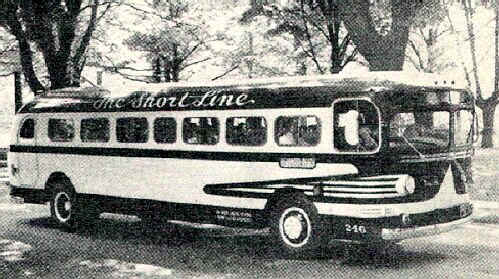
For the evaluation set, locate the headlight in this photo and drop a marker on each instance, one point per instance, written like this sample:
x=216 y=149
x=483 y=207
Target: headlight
x=406 y=185
x=410 y=185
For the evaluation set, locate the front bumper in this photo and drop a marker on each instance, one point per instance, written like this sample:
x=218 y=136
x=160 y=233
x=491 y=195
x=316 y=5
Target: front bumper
x=398 y=234
x=398 y=227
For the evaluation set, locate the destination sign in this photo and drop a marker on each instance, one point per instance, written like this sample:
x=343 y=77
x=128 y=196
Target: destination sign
x=297 y=163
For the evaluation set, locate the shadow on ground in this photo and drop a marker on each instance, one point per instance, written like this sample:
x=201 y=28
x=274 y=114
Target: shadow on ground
x=214 y=243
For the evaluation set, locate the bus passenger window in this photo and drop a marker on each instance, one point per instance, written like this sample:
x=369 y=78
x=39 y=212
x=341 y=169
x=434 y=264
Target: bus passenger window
x=356 y=126
x=132 y=130
x=201 y=130
x=61 y=130
x=249 y=131
x=27 y=129
x=297 y=131
x=165 y=130
x=94 y=130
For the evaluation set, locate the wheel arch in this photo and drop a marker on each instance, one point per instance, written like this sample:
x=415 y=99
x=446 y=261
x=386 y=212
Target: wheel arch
x=57 y=177
x=280 y=194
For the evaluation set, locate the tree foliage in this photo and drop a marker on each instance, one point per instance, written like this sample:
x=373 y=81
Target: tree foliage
x=489 y=104
x=8 y=54
x=315 y=28
x=60 y=30
x=173 y=39
x=427 y=45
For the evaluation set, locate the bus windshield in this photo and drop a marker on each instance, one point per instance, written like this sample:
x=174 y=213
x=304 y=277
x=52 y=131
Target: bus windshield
x=421 y=131
x=430 y=131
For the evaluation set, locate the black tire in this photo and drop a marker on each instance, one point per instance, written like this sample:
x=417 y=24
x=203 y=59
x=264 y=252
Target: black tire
x=87 y=212
x=63 y=206
x=296 y=228
x=68 y=211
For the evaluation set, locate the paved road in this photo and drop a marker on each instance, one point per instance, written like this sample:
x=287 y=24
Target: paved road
x=121 y=247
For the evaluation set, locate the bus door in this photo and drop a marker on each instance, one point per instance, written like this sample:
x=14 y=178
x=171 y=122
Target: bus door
x=25 y=163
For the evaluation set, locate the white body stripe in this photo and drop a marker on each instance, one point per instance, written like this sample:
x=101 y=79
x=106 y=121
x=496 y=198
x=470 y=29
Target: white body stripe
x=173 y=180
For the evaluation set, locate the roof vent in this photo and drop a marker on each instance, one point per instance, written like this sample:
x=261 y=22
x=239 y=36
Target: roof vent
x=76 y=92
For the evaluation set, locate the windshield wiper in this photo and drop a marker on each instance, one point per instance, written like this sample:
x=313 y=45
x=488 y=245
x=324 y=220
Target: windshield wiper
x=411 y=145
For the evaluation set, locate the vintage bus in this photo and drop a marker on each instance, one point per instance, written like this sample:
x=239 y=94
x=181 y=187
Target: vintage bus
x=372 y=159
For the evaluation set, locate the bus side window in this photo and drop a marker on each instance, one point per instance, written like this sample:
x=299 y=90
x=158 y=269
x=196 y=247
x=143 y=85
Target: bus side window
x=27 y=130
x=132 y=130
x=94 y=130
x=297 y=130
x=249 y=131
x=356 y=126
x=201 y=130
x=61 y=130
x=165 y=130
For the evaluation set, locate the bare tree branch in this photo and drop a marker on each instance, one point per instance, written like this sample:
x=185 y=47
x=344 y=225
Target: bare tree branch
x=309 y=39
x=226 y=72
x=414 y=48
x=195 y=62
x=77 y=58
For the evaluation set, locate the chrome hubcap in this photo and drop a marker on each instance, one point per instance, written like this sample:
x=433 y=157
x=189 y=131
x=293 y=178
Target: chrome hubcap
x=62 y=206
x=293 y=226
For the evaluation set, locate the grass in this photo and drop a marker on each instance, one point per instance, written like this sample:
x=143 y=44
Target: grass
x=486 y=175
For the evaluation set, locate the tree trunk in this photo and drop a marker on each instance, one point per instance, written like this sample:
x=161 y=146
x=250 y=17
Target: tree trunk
x=156 y=74
x=27 y=66
x=496 y=81
x=488 y=106
x=383 y=52
x=18 y=93
x=26 y=55
x=59 y=72
x=334 y=40
x=488 y=126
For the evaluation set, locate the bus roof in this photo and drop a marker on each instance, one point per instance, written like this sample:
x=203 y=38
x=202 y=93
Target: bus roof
x=376 y=81
x=251 y=93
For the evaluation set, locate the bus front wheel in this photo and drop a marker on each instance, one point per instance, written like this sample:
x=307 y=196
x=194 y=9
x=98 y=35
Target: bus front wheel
x=296 y=227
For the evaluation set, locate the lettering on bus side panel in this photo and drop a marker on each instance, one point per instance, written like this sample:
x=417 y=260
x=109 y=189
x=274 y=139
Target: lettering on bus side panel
x=213 y=98
x=233 y=216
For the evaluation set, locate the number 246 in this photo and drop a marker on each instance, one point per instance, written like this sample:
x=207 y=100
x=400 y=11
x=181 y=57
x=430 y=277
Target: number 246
x=355 y=228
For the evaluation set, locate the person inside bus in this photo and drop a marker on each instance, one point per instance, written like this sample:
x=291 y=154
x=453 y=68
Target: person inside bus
x=367 y=139
x=192 y=133
x=311 y=135
x=255 y=132
x=241 y=133
x=368 y=132
x=287 y=134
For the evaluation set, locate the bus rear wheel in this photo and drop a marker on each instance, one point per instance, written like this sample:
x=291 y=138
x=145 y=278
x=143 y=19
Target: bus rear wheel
x=63 y=205
x=296 y=227
x=67 y=211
